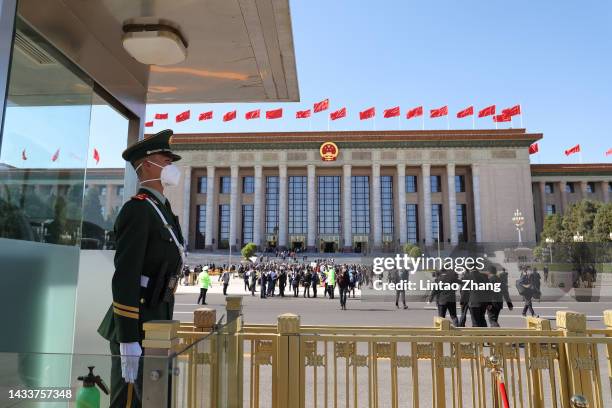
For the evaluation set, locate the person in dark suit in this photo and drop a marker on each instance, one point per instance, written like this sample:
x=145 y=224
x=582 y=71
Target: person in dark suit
x=282 y=282
x=314 y=282
x=498 y=298
x=479 y=299
x=446 y=299
x=148 y=260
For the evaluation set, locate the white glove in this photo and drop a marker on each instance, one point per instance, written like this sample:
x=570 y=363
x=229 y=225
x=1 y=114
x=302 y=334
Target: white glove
x=130 y=355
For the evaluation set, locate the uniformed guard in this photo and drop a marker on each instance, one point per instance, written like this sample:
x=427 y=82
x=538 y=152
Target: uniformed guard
x=148 y=260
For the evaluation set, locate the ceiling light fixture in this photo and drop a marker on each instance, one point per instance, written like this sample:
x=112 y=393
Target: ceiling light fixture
x=154 y=42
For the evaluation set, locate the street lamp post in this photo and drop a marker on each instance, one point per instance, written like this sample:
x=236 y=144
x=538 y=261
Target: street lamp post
x=518 y=221
x=550 y=241
x=578 y=237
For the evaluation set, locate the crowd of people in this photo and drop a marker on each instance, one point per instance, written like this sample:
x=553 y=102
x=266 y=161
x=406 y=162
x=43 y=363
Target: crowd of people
x=326 y=278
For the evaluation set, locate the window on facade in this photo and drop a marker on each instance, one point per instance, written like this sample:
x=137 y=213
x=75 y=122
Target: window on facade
x=119 y=191
x=549 y=188
x=200 y=227
x=248 y=185
x=610 y=187
x=435 y=184
x=569 y=187
x=329 y=204
x=550 y=209
x=386 y=197
x=224 y=226
x=360 y=205
x=247 y=223
x=272 y=205
x=437 y=230
x=460 y=184
x=202 y=185
x=461 y=223
x=225 y=185
x=412 y=223
x=298 y=205
x=411 y=184
x=590 y=187
x=103 y=190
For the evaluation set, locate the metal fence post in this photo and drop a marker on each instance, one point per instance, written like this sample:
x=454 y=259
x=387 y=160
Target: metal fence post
x=290 y=369
x=575 y=356
x=159 y=342
x=234 y=351
x=608 y=322
x=443 y=325
x=533 y=353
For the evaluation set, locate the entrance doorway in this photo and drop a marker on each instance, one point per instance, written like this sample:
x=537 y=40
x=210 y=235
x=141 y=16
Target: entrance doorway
x=329 y=246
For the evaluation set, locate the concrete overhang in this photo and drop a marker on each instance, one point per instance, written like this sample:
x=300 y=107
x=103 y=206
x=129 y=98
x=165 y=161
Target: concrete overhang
x=238 y=50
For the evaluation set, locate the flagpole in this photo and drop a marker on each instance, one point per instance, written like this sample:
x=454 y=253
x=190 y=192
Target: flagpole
x=374 y=124
x=521 y=115
x=447 y=122
x=328 y=123
x=398 y=122
x=423 y=120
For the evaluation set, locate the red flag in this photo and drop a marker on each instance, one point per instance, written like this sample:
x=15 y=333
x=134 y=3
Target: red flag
x=391 y=112
x=436 y=113
x=96 y=155
x=149 y=124
x=24 y=157
x=413 y=113
x=55 y=155
x=303 y=114
x=161 y=116
x=502 y=118
x=609 y=152
x=367 y=114
x=340 y=113
x=181 y=117
x=533 y=148
x=572 y=150
x=254 y=114
x=229 y=116
x=488 y=111
x=205 y=116
x=466 y=112
x=274 y=114
x=321 y=106
x=513 y=111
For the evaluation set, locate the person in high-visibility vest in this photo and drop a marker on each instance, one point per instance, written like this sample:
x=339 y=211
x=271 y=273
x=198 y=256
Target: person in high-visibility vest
x=205 y=284
x=331 y=281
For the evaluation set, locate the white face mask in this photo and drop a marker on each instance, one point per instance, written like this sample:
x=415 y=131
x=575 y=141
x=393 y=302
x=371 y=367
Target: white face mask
x=170 y=174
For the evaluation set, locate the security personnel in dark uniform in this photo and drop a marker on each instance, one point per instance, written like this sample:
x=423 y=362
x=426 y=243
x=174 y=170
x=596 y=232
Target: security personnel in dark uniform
x=446 y=299
x=148 y=260
x=480 y=300
x=497 y=303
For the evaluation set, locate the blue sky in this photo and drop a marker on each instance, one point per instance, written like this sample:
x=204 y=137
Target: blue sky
x=552 y=57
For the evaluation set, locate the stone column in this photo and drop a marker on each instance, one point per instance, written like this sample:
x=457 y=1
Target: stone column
x=426 y=189
x=234 y=205
x=346 y=208
x=283 y=202
x=605 y=192
x=563 y=195
x=257 y=207
x=401 y=203
x=376 y=207
x=476 y=191
x=312 y=209
x=583 y=189
x=210 y=207
x=452 y=202
x=542 y=188
x=186 y=205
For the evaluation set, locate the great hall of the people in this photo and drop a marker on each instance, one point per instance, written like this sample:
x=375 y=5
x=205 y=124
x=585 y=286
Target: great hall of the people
x=363 y=191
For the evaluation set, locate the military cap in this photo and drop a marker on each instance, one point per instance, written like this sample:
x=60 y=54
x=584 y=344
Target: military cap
x=158 y=143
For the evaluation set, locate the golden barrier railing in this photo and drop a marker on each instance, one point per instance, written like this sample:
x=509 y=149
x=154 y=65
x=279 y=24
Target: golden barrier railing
x=294 y=365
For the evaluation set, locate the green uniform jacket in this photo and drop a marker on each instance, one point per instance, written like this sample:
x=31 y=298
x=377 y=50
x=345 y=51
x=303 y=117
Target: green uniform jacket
x=204 y=278
x=144 y=248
